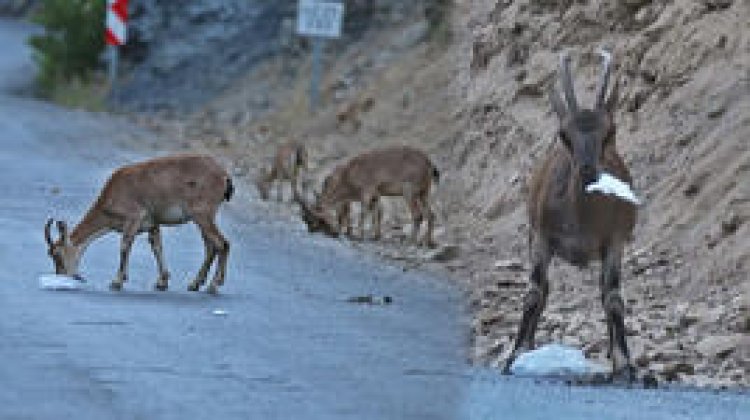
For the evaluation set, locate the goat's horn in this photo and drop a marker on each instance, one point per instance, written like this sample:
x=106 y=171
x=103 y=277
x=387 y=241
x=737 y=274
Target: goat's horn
x=567 y=83
x=604 y=80
x=47 y=232
x=63 y=228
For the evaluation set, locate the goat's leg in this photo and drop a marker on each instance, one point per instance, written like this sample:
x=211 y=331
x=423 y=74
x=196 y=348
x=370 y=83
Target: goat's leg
x=361 y=221
x=210 y=254
x=279 y=190
x=416 y=212
x=534 y=301
x=377 y=211
x=424 y=204
x=344 y=219
x=614 y=308
x=154 y=239
x=602 y=287
x=364 y=208
x=220 y=246
x=128 y=235
x=295 y=192
x=348 y=219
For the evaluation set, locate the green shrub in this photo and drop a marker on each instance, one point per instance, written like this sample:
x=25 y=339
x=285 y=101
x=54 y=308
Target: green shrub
x=438 y=15
x=72 y=42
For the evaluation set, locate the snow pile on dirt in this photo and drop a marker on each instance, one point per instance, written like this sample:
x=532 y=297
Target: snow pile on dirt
x=554 y=360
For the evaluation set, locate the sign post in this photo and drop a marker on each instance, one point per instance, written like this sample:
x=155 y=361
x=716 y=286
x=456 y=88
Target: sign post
x=318 y=20
x=115 y=33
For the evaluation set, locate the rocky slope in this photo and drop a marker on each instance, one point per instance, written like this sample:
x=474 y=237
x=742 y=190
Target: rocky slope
x=182 y=53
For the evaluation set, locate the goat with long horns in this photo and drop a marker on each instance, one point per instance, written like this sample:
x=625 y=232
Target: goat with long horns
x=572 y=224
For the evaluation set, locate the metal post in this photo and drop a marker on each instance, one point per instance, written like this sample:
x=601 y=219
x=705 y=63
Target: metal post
x=317 y=52
x=112 y=50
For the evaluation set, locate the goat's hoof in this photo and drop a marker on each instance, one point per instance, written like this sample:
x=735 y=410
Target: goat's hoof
x=507 y=364
x=650 y=381
x=115 y=286
x=212 y=289
x=506 y=367
x=161 y=287
x=624 y=374
x=193 y=287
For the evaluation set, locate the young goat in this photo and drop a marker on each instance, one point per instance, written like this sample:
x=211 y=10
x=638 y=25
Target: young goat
x=575 y=225
x=392 y=171
x=289 y=159
x=142 y=197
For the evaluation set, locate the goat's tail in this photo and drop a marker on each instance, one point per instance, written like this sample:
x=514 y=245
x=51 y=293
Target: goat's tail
x=228 y=190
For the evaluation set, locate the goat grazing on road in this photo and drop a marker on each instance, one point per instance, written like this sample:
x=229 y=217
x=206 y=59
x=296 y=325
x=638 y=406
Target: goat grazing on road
x=290 y=158
x=343 y=210
x=577 y=226
x=141 y=197
x=392 y=171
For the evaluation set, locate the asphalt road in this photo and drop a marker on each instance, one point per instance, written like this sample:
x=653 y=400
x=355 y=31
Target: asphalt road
x=288 y=346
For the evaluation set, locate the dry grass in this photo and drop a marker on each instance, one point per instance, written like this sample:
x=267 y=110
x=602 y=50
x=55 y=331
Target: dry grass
x=77 y=94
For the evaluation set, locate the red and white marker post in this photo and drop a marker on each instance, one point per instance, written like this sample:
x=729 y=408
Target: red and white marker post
x=115 y=33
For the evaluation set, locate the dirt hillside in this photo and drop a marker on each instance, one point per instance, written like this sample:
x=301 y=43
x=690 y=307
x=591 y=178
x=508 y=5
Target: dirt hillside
x=684 y=130
x=477 y=106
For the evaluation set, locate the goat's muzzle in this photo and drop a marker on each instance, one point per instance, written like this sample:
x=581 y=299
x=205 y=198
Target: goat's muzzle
x=315 y=219
x=589 y=175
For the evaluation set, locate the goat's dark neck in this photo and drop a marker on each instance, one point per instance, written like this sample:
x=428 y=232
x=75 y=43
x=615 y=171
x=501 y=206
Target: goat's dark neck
x=581 y=200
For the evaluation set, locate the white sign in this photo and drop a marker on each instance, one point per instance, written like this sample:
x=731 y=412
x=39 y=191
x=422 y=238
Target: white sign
x=319 y=18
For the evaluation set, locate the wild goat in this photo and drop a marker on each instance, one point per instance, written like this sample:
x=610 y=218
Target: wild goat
x=572 y=224
x=392 y=171
x=141 y=197
x=351 y=112
x=289 y=159
x=343 y=210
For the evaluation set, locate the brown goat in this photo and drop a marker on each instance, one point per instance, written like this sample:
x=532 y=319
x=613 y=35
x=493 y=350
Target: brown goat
x=142 y=197
x=392 y=171
x=572 y=224
x=343 y=210
x=287 y=162
x=351 y=112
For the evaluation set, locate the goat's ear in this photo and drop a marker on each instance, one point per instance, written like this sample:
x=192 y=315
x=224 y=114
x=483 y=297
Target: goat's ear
x=614 y=97
x=557 y=104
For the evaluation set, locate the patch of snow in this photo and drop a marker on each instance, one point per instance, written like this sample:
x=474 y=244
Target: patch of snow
x=58 y=282
x=554 y=360
x=607 y=184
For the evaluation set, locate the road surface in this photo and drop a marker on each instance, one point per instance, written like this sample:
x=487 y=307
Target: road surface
x=286 y=343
